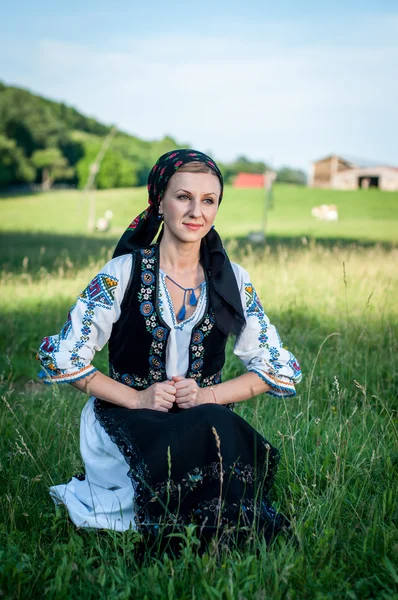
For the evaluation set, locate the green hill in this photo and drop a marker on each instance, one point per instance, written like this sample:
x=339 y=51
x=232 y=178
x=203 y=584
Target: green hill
x=42 y=137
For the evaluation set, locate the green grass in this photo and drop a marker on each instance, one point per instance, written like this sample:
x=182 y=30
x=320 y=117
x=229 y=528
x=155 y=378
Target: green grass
x=364 y=214
x=49 y=231
x=332 y=297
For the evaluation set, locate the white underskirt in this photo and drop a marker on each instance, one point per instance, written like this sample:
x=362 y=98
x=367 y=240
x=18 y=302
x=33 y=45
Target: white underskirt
x=104 y=499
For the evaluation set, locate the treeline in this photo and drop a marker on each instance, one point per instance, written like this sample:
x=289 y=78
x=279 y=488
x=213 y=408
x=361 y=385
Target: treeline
x=42 y=141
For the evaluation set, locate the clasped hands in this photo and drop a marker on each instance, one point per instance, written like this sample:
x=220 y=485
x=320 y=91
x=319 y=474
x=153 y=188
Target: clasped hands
x=184 y=392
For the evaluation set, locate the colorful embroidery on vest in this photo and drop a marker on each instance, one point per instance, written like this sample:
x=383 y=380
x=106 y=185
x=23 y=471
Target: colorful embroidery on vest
x=197 y=350
x=130 y=380
x=212 y=379
x=157 y=367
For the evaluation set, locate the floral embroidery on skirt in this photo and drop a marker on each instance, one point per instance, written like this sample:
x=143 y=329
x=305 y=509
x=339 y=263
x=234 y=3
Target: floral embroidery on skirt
x=204 y=465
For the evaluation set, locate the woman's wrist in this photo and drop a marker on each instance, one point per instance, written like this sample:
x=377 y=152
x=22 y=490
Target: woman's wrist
x=134 y=399
x=213 y=393
x=207 y=395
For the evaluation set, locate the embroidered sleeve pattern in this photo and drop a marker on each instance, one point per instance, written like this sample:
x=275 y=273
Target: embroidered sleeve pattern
x=261 y=350
x=67 y=357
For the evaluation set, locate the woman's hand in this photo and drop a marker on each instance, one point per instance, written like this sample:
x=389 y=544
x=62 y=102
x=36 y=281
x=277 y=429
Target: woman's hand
x=158 y=396
x=189 y=394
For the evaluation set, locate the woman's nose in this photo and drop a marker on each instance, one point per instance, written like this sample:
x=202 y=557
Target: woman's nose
x=195 y=209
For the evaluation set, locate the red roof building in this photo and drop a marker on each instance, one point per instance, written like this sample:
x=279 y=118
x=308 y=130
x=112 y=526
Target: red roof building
x=249 y=180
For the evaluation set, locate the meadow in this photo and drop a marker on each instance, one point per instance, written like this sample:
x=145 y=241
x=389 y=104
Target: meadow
x=331 y=289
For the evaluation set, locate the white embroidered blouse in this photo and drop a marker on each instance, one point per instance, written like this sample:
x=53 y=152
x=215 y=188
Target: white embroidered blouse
x=68 y=356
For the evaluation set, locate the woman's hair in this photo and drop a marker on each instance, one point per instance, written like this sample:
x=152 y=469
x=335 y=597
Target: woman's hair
x=196 y=167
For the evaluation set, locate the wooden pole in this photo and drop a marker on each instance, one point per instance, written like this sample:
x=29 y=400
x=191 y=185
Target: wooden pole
x=89 y=188
x=269 y=178
x=265 y=209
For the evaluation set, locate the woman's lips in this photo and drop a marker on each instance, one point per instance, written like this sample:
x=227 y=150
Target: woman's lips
x=192 y=226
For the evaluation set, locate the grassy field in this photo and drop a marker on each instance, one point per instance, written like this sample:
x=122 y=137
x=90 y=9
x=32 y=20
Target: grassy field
x=331 y=289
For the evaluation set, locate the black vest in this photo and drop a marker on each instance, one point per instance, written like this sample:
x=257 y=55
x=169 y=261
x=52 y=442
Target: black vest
x=137 y=346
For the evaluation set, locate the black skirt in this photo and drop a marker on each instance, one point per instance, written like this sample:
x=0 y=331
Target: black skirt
x=204 y=465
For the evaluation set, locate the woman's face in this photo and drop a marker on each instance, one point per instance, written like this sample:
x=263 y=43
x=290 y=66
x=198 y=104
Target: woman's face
x=189 y=205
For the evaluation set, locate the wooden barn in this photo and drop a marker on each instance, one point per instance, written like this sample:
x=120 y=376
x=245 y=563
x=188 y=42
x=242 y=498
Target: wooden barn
x=382 y=177
x=336 y=172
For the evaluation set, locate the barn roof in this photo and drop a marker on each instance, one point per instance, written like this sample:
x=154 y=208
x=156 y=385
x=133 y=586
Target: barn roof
x=355 y=162
x=339 y=156
x=249 y=180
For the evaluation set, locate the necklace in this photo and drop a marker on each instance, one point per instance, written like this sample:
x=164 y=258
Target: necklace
x=192 y=298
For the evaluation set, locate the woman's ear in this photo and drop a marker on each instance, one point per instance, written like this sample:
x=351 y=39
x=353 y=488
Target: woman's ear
x=160 y=209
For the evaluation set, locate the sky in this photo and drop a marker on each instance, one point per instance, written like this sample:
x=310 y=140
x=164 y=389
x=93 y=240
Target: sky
x=286 y=82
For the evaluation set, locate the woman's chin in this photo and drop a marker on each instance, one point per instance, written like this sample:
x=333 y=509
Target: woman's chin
x=189 y=236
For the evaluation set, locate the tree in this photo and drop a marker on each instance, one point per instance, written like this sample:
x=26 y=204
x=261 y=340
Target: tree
x=14 y=166
x=53 y=164
x=116 y=171
x=241 y=165
x=288 y=175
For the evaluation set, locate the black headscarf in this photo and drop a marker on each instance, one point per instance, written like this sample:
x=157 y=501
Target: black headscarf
x=223 y=289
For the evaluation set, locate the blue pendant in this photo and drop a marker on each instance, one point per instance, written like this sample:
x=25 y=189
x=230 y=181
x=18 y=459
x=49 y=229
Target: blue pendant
x=192 y=300
x=181 y=313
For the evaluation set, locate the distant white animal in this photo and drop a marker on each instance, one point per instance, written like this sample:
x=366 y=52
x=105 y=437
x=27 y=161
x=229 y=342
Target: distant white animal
x=325 y=212
x=257 y=237
x=104 y=223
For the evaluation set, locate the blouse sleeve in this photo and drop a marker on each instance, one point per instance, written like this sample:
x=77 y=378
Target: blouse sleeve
x=67 y=357
x=259 y=346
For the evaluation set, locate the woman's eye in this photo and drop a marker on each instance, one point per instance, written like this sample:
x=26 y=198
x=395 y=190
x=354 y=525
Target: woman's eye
x=185 y=197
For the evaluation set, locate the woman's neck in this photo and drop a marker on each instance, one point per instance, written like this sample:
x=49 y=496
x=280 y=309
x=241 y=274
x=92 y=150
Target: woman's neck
x=178 y=257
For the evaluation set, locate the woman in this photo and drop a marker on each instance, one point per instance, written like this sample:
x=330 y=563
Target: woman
x=159 y=443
